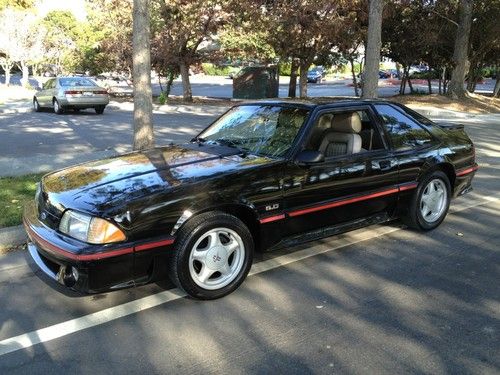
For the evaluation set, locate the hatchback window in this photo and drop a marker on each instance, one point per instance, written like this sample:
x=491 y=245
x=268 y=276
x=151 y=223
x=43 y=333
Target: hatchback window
x=403 y=131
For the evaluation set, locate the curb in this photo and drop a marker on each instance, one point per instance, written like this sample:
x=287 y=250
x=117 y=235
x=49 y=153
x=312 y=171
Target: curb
x=12 y=237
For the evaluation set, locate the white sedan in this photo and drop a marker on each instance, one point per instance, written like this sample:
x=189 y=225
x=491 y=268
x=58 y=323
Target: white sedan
x=75 y=93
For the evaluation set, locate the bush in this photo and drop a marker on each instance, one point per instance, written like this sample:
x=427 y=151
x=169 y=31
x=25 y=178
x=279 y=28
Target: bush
x=162 y=99
x=488 y=72
x=285 y=69
x=213 y=70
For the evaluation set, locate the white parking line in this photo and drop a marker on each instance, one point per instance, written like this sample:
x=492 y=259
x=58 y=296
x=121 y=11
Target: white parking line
x=55 y=331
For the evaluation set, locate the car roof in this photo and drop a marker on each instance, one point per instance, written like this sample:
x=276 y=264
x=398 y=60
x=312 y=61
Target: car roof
x=312 y=103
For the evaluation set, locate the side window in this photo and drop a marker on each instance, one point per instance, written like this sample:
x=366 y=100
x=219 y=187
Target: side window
x=344 y=133
x=404 y=132
x=50 y=84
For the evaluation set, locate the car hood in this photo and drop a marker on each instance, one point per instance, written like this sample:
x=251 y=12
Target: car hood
x=96 y=186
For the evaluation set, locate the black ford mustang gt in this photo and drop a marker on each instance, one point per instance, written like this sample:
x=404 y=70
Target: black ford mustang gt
x=263 y=175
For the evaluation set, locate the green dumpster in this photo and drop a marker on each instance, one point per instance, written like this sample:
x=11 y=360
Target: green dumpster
x=256 y=82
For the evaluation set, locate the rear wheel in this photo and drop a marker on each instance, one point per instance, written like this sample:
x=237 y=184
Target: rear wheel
x=36 y=105
x=57 y=107
x=100 y=109
x=430 y=202
x=213 y=255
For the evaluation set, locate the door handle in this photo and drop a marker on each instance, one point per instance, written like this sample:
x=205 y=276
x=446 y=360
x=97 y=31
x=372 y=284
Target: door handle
x=385 y=165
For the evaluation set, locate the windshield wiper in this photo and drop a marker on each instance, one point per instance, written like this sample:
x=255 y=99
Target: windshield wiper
x=198 y=140
x=232 y=144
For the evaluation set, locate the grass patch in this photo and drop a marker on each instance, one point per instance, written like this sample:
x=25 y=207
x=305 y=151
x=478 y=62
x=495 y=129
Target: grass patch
x=14 y=193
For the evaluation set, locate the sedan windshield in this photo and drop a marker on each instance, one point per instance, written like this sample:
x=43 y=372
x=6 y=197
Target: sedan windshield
x=76 y=81
x=266 y=130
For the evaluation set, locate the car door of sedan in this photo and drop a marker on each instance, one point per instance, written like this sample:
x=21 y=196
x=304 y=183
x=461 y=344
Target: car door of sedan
x=45 y=95
x=341 y=188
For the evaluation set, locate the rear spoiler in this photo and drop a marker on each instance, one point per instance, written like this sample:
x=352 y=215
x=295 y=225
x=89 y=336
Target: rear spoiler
x=450 y=126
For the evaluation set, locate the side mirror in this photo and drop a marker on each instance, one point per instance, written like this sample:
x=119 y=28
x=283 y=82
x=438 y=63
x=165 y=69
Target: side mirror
x=309 y=157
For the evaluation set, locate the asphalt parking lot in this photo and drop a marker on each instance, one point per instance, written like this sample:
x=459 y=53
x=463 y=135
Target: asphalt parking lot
x=378 y=300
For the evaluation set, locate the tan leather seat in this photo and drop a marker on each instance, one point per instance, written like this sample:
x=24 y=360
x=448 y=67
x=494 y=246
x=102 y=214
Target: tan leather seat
x=343 y=137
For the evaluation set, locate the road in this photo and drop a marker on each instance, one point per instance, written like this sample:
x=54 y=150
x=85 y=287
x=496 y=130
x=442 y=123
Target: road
x=50 y=141
x=221 y=87
x=377 y=300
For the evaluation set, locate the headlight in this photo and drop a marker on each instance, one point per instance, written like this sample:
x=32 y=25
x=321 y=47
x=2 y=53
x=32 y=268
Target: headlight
x=89 y=229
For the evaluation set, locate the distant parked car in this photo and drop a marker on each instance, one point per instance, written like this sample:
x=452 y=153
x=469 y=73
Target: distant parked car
x=116 y=85
x=382 y=74
x=75 y=93
x=315 y=75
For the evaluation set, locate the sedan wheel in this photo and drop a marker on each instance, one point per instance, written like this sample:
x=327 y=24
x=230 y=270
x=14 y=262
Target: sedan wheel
x=430 y=202
x=36 y=105
x=57 y=107
x=213 y=255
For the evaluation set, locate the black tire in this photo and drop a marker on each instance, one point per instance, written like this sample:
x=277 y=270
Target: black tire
x=76 y=110
x=57 y=107
x=36 y=105
x=100 y=109
x=415 y=218
x=189 y=234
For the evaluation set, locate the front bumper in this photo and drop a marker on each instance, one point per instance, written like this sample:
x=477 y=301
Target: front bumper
x=80 y=266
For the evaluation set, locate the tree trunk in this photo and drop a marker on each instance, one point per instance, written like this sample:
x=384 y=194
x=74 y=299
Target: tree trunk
x=7 y=67
x=7 y=78
x=409 y=80
x=304 y=65
x=292 y=86
x=496 y=90
x=354 y=79
x=171 y=77
x=402 y=85
x=474 y=75
x=141 y=58
x=374 y=41
x=429 y=80
x=25 y=74
x=443 y=78
x=159 y=81
x=187 y=93
x=456 y=86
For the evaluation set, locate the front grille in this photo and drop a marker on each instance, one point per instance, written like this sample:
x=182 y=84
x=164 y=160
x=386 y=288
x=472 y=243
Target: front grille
x=47 y=212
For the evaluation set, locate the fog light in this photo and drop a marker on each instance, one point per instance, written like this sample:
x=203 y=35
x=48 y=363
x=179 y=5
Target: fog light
x=75 y=273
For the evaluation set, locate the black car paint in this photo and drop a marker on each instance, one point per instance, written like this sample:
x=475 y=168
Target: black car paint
x=146 y=193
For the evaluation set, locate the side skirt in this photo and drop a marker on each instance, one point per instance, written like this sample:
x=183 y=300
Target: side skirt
x=317 y=234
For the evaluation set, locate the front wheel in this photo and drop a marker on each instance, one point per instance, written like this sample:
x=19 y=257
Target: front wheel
x=100 y=109
x=430 y=203
x=214 y=253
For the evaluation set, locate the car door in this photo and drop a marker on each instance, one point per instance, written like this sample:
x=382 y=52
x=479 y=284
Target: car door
x=45 y=95
x=341 y=188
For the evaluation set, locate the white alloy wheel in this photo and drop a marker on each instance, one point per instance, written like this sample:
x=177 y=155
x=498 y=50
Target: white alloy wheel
x=433 y=201
x=216 y=259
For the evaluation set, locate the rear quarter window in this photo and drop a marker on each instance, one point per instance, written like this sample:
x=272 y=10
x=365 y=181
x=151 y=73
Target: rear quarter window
x=404 y=132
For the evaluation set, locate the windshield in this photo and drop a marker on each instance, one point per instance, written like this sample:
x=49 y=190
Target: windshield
x=76 y=81
x=266 y=130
